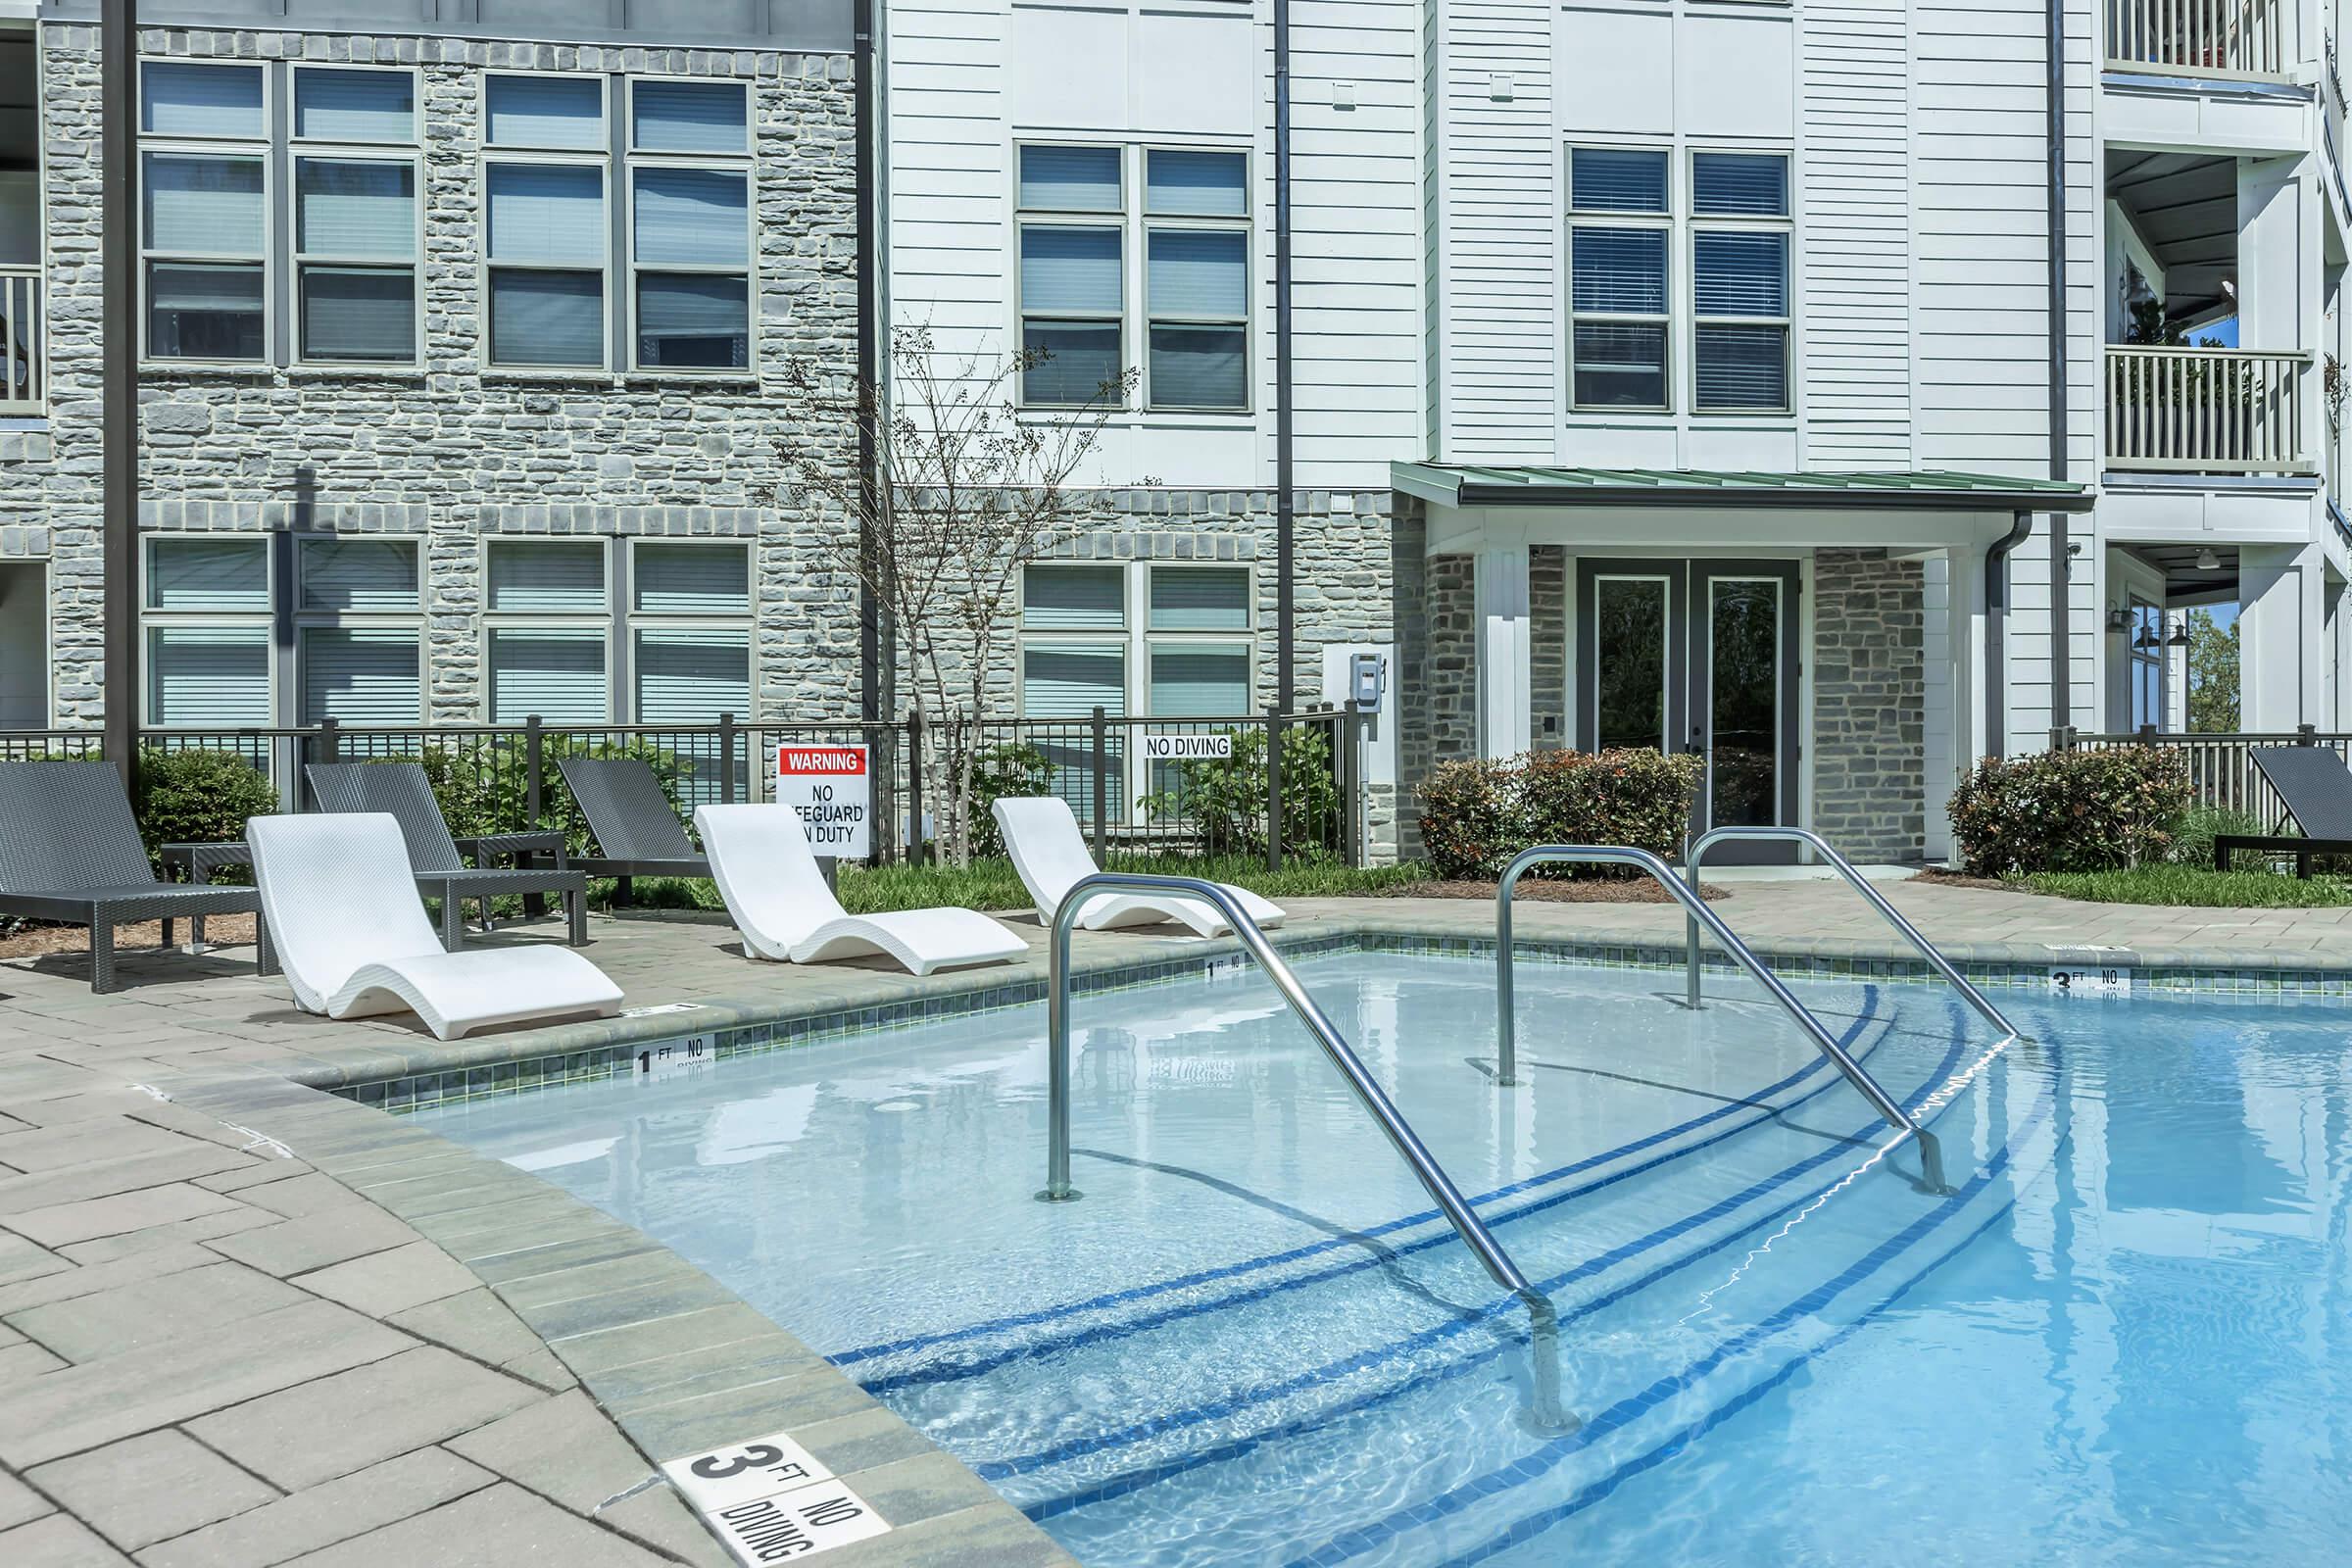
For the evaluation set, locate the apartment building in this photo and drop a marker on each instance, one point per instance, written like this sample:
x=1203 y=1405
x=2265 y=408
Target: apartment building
x=1666 y=372
x=466 y=338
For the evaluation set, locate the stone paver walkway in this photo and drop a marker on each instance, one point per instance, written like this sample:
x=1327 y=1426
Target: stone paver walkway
x=245 y=1323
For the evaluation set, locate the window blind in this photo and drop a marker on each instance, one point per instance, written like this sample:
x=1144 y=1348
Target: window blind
x=1070 y=180
x=1194 y=184
x=350 y=208
x=210 y=676
x=1074 y=598
x=1742 y=366
x=354 y=105
x=694 y=319
x=1619 y=270
x=1070 y=269
x=555 y=671
x=565 y=577
x=1072 y=682
x=552 y=214
x=359 y=574
x=1739 y=184
x=360 y=676
x=1200 y=599
x=1196 y=272
x=688 y=116
x=1740 y=274
x=692 y=579
x=547 y=112
x=1200 y=682
x=546 y=318
x=177 y=99
x=358 y=312
x=205 y=312
x=203 y=204
x=1603 y=179
x=692 y=216
x=218 y=575
x=1077 y=360
x=1200 y=367
x=692 y=674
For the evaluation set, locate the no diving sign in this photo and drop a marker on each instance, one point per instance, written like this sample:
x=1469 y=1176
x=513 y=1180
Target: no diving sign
x=771 y=1500
x=832 y=789
x=1188 y=747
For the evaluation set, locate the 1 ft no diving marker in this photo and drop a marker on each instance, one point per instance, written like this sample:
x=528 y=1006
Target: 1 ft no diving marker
x=832 y=789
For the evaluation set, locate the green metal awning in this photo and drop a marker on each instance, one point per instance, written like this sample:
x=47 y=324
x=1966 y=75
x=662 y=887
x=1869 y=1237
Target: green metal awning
x=1454 y=484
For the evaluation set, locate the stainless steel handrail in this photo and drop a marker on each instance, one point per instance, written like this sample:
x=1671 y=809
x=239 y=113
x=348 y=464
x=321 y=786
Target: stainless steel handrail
x=1698 y=852
x=1930 y=1154
x=1544 y=1412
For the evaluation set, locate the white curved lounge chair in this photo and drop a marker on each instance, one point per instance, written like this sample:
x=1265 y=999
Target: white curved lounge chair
x=777 y=898
x=1047 y=850
x=350 y=928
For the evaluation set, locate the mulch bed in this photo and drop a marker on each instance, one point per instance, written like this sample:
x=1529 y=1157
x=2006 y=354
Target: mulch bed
x=1554 y=889
x=1961 y=879
x=37 y=940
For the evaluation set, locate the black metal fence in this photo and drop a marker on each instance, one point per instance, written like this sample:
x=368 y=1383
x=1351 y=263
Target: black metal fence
x=1141 y=788
x=2220 y=772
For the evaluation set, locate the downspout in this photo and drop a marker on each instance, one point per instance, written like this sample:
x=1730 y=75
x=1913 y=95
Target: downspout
x=1996 y=628
x=118 y=384
x=2061 y=588
x=871 y=676
x=1285 y=519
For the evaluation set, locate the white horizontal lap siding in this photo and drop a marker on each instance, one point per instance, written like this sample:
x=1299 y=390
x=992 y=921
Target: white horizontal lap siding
x=1498 y=315
x=1356 y=240
x=947 y=174
x=1855 y=102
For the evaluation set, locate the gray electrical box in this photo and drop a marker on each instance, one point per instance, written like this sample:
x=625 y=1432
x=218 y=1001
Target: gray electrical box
x=1367 y=678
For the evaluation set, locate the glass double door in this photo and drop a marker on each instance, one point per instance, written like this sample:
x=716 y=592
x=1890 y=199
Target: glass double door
x=1697 y=656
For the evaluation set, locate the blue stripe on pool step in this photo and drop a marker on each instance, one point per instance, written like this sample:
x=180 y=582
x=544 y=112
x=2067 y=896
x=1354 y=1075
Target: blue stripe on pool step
x=1122 y=1298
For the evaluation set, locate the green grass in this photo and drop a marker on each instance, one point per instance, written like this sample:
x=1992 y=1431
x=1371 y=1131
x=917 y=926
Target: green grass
x=2196 y=887
x=992 y=884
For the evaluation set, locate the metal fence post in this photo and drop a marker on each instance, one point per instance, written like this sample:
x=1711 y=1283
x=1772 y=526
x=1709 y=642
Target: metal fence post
x=1273 y=792
x=1102 y=786
x=726 y=759
x=914 y=785
x=530 y=774
x=328 y=746
x=1345 y=743
x=2306 y=734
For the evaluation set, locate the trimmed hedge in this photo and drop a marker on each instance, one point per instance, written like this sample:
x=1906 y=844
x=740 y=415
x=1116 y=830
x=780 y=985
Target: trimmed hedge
x=198 y=797
x=1478 y=813
x=2102 y=810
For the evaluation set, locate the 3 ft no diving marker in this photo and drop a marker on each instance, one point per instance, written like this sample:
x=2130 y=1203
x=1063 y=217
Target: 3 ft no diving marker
x=832 y=788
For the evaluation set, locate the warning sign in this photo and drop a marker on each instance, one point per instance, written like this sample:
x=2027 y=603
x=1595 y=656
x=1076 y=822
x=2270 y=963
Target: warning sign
x=832 y=789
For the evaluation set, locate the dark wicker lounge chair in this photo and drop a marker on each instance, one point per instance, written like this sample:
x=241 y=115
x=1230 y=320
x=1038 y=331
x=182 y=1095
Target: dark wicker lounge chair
x=2316 y=789
x=70 y=852
x=403 y=791
x=637 y=830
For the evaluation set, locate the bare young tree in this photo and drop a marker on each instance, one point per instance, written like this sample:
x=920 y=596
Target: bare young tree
x=968 y=492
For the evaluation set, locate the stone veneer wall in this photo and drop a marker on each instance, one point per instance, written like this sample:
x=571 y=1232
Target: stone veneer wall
x=1437 y=681
x=448 y=449
x=1548 y=650
x=1869 y=666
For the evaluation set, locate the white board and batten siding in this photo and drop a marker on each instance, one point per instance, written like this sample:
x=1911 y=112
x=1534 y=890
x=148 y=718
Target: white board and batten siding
x=965 y=83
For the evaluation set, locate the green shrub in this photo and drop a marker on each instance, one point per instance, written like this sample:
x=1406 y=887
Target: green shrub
x=198 y=797
x=2070 y=811
x=2200 y=825
x=1016 y=768
x=1478 y=813
x=1223 y=799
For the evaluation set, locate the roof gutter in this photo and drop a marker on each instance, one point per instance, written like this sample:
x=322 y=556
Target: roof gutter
x=1791 y=499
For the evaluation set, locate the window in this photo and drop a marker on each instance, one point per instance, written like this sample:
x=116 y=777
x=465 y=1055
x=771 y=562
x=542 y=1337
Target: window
x=359 y=636
x=206 y=631
x=549 y=624
x=1739 y=234
x=1618 y=310
x=1622 y=305
x=2148 y=654
x=204 y=229
x=543 y=191
x=690 y=228
x=1072 y=265
x=355 y=216
x=689 y=614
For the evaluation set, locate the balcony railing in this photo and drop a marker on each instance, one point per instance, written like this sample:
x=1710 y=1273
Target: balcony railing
x=2206 y=411
x=24 y=360
x=2198 y=37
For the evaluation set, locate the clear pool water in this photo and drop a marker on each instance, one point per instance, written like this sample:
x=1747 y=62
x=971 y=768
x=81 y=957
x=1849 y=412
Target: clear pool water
x=2125 y=1333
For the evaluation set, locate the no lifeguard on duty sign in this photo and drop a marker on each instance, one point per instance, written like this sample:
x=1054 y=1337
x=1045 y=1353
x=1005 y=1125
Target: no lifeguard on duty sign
x=832 y=788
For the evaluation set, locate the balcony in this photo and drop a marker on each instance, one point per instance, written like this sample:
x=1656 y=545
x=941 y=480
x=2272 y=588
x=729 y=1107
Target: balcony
x=24 y=362
x=2206 y=411
x=2246 y=39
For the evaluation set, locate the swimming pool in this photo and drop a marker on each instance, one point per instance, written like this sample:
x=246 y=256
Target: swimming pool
x=2125 y=1331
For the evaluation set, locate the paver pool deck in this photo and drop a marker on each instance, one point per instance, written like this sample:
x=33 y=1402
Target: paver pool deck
x=244 y=1321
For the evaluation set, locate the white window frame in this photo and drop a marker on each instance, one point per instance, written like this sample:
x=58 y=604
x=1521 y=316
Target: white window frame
x=1244 y=226
x=1717 y=223
x=409 y=150
x=600 y=160
x=258 y=147
x=598 y=622
x=745 y=164
x=746 y=620
x=1661 y=223
x=151 y=618
x=307 y=621
x=1118 y=219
